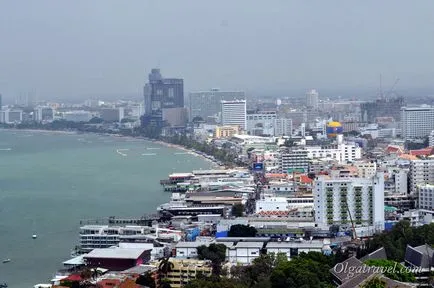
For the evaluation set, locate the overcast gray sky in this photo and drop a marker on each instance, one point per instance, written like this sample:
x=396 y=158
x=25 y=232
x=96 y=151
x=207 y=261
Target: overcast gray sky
x=73 y=48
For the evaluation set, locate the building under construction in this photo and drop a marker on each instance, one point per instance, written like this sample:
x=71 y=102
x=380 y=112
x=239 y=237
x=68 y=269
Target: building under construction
x=384 y=107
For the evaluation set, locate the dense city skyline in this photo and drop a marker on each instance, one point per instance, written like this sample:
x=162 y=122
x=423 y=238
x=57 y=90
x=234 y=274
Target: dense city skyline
x=82 y=49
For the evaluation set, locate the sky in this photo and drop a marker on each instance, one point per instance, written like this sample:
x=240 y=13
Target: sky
x=80 y=48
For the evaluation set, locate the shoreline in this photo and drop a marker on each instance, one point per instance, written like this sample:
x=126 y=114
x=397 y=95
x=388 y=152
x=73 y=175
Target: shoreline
x=159 y=142
x=139 y=139
x=41 y=131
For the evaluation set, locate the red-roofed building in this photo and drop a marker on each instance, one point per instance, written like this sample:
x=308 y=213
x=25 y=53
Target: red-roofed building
x=117 y=259
x=72 y=278
x=391 y=149
x=304 y=179
x=109 y=283
x=428 y=151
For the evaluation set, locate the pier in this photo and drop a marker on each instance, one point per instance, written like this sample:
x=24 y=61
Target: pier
x=145 y=220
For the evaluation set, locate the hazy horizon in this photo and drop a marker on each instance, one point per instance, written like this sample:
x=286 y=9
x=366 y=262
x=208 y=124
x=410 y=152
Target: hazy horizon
x=79 y=49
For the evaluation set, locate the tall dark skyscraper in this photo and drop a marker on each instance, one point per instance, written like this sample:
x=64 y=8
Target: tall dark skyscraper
x=162 y=93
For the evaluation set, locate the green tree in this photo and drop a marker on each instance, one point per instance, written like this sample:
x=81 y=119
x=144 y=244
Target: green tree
x=375 y=282
x=238 y=210
x=197 y=119
x=392 y=269
x=96 y=120
x=305 y=270
x=165 y=266
x=165 y=283
x=289 y=143
x=396 y=240
x=216 y=253
x=240 y=230
x=258 y=273
x=215 y=282
x=146 y=280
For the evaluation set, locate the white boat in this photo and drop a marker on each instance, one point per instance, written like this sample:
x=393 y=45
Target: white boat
x=34 y=236
x=6 y=260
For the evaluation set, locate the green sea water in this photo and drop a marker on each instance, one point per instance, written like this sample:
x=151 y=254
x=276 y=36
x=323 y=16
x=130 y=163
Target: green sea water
x=50 y=181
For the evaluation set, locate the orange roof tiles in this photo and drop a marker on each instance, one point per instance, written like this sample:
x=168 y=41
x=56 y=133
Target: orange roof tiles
x=305 y=179
x=109 y=283
x=275 y=175
x=129 y=283
x=394 y=149
x=408 y=157
x=422 y=152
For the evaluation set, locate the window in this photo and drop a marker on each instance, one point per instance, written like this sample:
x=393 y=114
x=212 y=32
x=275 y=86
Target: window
x=171 y=92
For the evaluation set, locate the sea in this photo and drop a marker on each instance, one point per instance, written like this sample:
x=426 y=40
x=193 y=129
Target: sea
x=49 y=181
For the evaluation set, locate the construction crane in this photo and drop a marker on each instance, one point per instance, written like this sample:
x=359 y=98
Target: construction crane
x=352 y=224
x=391 y=88
x=382 y=94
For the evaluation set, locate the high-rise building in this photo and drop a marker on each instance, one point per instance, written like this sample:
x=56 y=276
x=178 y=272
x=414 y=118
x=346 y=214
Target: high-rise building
x=43 y=113
x=426 y=197
x=77 y=116
x=261 y=123
x=421 y=173
x=206 y=104
x=175 y=117
x=160 y=93
x=10 y=116
x=431 y=139
x=417 y=122
x=312 y=99
x=234 y=113
x=1 y=101
x=337 y=201
x=294 y=160
x=112 y=114
x=386 y=107
x=282 y=127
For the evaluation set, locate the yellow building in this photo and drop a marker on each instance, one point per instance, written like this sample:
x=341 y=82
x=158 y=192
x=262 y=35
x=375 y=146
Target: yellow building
x=226 y=131
x=184 y=270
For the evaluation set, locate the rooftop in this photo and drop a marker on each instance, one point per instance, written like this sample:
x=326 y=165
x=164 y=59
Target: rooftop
x=243 y=239
x=242 y=244
x=75 y=261
x=141 y=269
x=118 y=253
x=194 y=244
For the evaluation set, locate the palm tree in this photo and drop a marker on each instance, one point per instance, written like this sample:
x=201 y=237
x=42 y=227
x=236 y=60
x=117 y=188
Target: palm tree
x=165 y=266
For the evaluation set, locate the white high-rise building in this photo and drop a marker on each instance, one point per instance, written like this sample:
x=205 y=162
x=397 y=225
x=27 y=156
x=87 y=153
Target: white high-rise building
x=293 y=160
x=282 y=127
x=10 y=116
x=366 y=169
x=234 y=113
x=112 y=114
x=431 y=139
x=77 y=116
x=43 y=113
x=426 y=197
x=343 y=153
x=261 y=123
x=417 y=122
x=337 y=201
x=421 y=173
x=267 y=123
x=206 y=104
x=312 y=99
